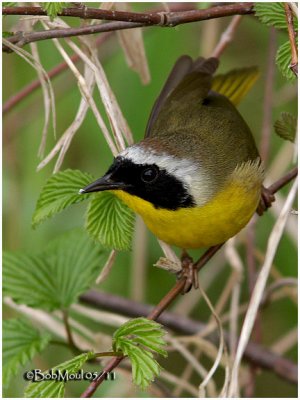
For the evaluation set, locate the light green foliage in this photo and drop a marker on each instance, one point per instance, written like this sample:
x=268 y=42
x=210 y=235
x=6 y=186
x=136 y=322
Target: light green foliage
x=51 y=389
x=9 y=3
x=283 y=60
x=273 y=14
x=137 y=339
x=286 y=126
x=59 y=192
x=53 y=8
x=7 y=34
x=56 y=277
x=110 y=221
x=21 y=342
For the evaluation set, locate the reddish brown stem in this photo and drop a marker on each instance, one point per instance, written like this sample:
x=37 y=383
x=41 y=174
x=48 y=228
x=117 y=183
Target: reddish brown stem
x=35 y=84
x=283 y=181
x=292 y=37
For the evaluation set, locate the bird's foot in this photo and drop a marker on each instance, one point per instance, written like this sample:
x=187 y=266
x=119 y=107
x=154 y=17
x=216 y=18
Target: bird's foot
x=266 y=200
x=189 y=272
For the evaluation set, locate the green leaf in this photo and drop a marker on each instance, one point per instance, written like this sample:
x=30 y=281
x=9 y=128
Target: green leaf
x=284 y=59
x=137 y=339
x=56 y=277
x=110 y=221
x=50 y=389
x=273 y=14
x=53 y=8
x=60 y=191
x=7 y=34
x=21 y=342
x=286 y=126
x=9 y=3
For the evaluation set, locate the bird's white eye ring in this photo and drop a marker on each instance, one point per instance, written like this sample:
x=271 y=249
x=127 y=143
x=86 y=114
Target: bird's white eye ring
x=149 y=174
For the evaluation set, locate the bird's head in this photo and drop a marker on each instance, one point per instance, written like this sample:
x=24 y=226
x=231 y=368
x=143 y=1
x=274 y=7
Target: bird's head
x=159 y=177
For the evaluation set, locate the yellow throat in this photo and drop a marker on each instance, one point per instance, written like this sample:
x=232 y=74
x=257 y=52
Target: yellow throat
x=196 y=227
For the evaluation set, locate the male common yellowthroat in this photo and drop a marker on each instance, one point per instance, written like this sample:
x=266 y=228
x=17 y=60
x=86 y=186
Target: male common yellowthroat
x=196 y=177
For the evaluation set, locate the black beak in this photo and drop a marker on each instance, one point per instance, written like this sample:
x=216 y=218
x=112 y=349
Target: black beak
x=104 y=183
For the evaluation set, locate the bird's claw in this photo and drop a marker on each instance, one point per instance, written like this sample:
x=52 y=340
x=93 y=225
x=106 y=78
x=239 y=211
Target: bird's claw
x=189 y=272
x=266 y=200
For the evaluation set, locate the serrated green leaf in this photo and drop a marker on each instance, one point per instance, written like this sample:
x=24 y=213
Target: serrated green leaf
x=110 y=221
x=153 y=345
x=137 y=324
x=273 y=14
x=60 y=191
x=53 y=8
x=21 y=342
x=50 y=389
x=56 y=277
x=286 y=126
x=144 y=368
x=283 y=60
x=136 y=340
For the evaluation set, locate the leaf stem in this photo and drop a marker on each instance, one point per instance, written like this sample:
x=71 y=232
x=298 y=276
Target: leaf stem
x=71 y=342
x=109 y=354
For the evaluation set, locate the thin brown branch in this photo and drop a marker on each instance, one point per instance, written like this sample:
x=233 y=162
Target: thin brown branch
x=150 y=18
x=23 y=38
x=122 y=20
x=292 y=37
x=177 y=289
x=280 y=183
x=227 y=36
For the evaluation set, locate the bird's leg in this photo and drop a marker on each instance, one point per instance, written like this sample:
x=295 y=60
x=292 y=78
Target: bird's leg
x=266 y=200
x=188 y=271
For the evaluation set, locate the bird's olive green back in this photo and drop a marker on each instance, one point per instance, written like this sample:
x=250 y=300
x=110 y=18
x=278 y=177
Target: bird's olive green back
x=204 y=126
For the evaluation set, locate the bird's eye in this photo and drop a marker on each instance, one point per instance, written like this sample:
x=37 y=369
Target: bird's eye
x=149 y=174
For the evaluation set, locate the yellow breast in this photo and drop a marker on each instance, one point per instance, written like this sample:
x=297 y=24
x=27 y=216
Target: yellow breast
x=215 y=222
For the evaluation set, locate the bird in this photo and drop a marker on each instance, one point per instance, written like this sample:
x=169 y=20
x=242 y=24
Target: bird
x=196 y=177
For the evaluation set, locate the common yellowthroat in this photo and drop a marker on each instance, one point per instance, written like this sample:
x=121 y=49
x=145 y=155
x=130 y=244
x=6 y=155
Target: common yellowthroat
x=196 y=177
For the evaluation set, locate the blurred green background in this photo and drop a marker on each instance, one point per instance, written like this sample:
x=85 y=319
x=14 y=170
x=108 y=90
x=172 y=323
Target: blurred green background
x=22 y=128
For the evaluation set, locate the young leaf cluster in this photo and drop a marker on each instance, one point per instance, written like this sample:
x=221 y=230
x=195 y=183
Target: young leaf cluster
x=54 y=278
x=53 y=8
x=21 y=342
x=138 y=339
x=273 y=14
x=108 y=220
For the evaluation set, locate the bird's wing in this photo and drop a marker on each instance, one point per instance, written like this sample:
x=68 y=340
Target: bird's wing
x=185 y=74
x=235 y=84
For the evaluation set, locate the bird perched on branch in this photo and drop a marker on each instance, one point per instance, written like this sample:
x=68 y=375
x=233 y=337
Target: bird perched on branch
x=196 y=178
